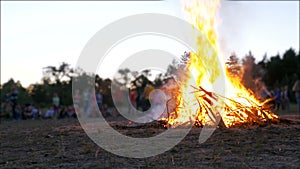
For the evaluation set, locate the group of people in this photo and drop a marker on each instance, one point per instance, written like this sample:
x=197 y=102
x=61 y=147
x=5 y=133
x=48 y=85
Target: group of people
x=83 y=106
x=282 y=98
x=86 y=103
x=13 y=109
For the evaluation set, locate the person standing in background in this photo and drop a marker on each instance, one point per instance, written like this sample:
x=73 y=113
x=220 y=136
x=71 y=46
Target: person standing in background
x=55 y=101
x=14 y=101
x=148 y=89
x=86 y=100
x=296 y=89
x=282 y=98
x=277 y=98
x=132 y=98
x=286 y=99
x=99 y=99
x=76 y=98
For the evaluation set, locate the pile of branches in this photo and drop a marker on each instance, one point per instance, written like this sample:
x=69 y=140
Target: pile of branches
x=211 y=104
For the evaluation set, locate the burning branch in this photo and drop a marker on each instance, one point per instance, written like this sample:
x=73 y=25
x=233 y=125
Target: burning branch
x=213 y=106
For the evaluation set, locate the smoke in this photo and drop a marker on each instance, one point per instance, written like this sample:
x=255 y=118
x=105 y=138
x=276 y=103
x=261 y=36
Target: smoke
x=252 y=75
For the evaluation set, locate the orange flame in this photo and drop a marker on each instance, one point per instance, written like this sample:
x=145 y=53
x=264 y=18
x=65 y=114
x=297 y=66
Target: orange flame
x=197 y=105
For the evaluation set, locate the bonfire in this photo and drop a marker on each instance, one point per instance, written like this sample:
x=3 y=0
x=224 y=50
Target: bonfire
x=235 y=104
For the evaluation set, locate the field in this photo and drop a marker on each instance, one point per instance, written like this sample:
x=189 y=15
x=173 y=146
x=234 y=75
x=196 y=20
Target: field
x=64 y=144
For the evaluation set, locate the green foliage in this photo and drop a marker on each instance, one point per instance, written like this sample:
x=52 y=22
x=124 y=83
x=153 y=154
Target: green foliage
x=282 y=70
x=56 y=80
x=23 y=96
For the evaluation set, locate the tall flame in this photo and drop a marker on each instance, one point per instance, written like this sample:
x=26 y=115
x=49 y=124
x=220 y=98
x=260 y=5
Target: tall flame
x=204 y=69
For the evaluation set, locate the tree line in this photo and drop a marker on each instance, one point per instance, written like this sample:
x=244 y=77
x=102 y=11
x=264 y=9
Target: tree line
x=273 y=71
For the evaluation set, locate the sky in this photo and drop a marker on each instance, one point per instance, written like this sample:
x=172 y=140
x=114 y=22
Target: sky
x=38 y=34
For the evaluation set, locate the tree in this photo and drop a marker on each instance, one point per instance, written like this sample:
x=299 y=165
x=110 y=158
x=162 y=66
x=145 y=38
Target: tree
x=23 y=95
x=233 y=66
x=282 y=71
x=124 y=77
x=58 y=74
x=40 y=94
x=290 y=62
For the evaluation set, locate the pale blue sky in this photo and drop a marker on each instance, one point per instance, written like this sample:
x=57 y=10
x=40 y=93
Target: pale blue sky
x=37 y=34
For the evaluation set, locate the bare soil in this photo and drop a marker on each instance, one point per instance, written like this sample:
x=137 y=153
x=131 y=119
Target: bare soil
x=64 y=144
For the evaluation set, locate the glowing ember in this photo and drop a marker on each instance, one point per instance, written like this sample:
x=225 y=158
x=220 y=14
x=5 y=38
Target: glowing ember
x=195 y=105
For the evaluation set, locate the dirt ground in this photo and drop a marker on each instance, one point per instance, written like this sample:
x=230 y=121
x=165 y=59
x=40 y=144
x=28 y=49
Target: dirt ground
x=64 y=144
